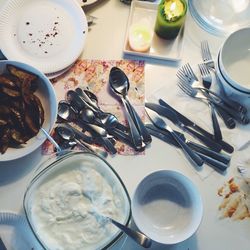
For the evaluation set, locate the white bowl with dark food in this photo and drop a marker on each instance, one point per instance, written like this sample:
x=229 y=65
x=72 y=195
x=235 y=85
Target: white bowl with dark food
x=234 y=59
x=67 y=202
x=28 y=102
x=167 y=207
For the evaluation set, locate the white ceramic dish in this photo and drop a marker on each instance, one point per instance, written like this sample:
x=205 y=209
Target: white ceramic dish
x=230 y=89
x=47 y=34
x=234 y=59
x=47 y=97
x=167 y=207
x=160 y=49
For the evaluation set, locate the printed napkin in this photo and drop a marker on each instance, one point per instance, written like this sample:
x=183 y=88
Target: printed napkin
x=93 y=75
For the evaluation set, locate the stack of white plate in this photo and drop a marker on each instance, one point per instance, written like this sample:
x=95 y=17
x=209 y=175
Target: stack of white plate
x=47 y=34
x=233 y=66
x=220 y=17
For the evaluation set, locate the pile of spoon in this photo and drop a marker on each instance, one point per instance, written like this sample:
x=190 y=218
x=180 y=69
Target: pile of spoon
x=81 y=108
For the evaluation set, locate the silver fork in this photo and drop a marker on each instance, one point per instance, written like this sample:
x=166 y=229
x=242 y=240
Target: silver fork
x=206 y=54
x=185 y=75
x=186 y=88
x=205 y=75
x=198 y=93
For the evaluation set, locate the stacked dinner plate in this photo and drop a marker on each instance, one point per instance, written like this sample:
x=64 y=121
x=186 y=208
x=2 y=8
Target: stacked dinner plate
x=220 y=17
x=47 y=34
x=232 y=66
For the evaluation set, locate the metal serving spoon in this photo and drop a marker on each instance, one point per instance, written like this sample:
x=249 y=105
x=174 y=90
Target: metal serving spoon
x=138 y=237
x=120 y=84
x=116 y=83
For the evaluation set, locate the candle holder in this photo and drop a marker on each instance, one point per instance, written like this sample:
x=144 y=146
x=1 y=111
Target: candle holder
x=170 y=18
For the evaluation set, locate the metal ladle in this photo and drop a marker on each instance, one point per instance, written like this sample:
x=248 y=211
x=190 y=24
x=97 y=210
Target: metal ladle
x=120 y=85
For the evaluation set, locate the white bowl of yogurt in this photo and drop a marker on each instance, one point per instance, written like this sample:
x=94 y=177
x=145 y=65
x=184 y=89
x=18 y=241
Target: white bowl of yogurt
x=67 y=201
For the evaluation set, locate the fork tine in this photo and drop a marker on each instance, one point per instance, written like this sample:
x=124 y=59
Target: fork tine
x=185 y=73
x=186 y=88
x=181 y=75
x=204 y=70
x=189 y=72
x=205 y=51
x=201 y=68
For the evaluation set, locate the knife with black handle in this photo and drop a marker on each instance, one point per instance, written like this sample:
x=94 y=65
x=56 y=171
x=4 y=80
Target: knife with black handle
x=218 y=165
x=195 y=146
x=160 y=123
x=188 y=123
x=163 y=111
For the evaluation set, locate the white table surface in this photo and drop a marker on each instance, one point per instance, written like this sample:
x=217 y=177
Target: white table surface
x=105 y=41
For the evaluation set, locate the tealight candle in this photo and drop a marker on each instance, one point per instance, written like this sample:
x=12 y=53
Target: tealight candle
x=170 y=18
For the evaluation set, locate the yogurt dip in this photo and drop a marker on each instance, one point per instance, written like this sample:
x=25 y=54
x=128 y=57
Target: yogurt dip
x=68 y=208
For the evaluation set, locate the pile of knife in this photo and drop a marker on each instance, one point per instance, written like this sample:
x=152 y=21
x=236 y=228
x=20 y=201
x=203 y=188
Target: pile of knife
x=195 y=152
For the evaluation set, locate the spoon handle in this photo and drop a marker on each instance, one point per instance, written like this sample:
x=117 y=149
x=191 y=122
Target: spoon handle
x=147 y=139
x=136 y=138
x=89 y=148
x=138 y=237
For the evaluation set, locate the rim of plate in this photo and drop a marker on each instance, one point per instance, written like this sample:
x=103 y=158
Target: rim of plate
x=49 y=44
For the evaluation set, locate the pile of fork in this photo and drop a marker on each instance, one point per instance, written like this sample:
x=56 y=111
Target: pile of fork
x=229 y=110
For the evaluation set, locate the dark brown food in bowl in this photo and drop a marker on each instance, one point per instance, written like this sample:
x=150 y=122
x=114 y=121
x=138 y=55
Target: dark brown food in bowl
x=21 y=111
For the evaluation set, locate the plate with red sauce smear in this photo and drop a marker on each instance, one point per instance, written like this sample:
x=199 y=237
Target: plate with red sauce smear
x=47 y=34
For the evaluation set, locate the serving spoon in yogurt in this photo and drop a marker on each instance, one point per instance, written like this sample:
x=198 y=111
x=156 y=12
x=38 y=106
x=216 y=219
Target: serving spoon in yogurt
x=138 y=237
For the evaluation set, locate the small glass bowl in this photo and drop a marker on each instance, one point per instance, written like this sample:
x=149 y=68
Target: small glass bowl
x=49 y=173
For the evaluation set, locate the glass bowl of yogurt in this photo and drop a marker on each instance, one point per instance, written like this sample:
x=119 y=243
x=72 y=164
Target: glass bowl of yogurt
x=68 y=200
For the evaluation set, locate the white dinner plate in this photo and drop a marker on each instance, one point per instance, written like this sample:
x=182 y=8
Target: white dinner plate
x=47 y=34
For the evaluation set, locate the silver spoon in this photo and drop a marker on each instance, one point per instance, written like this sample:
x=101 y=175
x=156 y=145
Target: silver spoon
x=88 y=116
x=68 y=134
x=66 y=111
x=138 y=237
x=116 y=84
x=120 y=84
x=109 y=120
x=50 y=138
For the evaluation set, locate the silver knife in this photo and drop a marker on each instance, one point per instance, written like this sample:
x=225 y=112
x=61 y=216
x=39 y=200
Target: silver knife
x=187 y=122
x=160 y=123
x=171 y=115
x=219 y=163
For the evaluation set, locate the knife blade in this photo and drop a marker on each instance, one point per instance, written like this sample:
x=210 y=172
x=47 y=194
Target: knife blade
x=218 y=165
x=168 y=113
x=195 y=146
x=160 y=123
x=188 y=123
